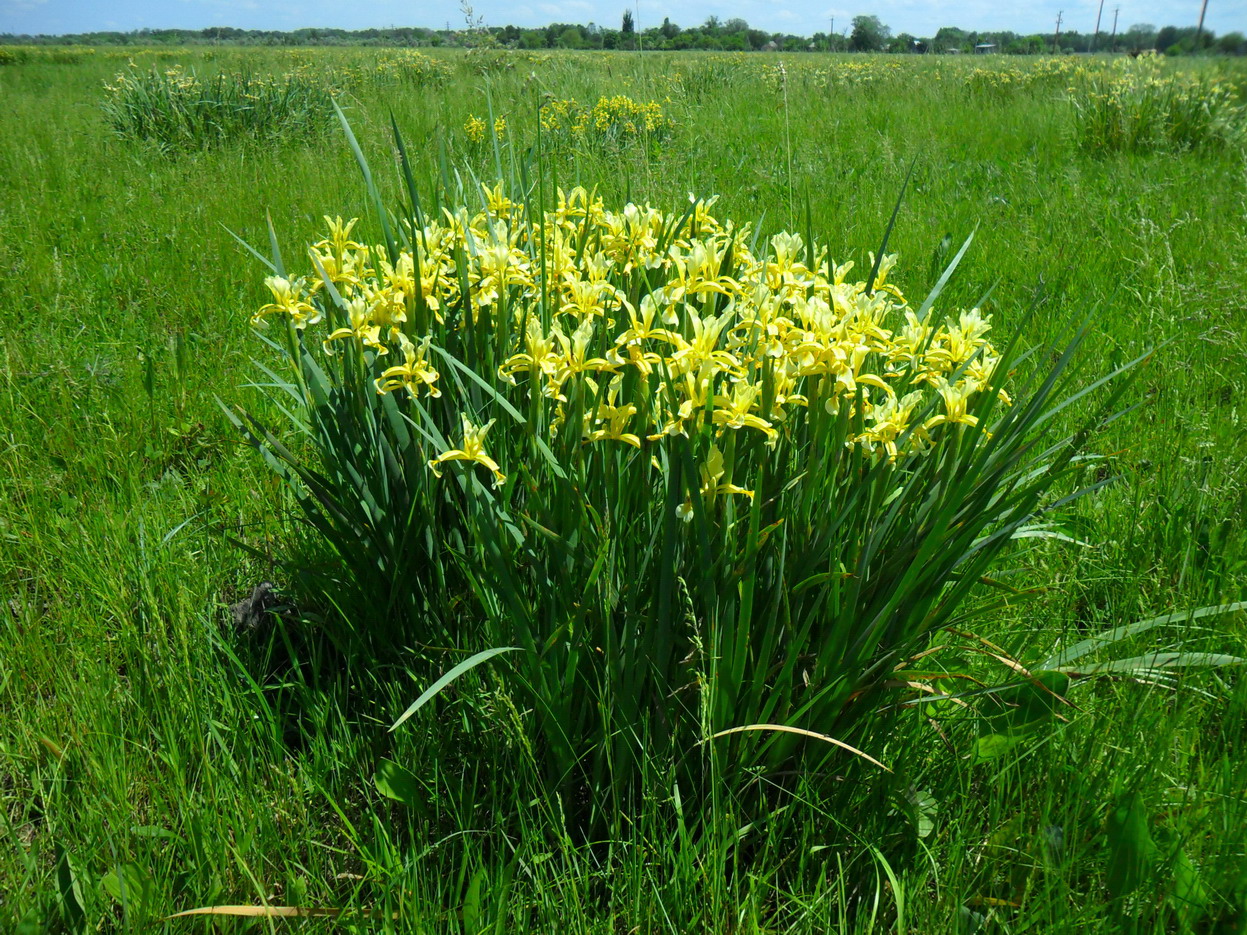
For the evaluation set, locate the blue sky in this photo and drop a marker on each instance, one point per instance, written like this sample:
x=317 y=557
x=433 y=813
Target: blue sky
x=804 y=17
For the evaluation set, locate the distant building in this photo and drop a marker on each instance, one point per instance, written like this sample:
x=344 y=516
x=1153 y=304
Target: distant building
x=984 y=47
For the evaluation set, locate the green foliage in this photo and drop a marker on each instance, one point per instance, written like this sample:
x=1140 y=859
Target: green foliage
x=145 y=736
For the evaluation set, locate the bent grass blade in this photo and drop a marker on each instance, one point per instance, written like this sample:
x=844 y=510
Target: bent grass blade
x=802 y=732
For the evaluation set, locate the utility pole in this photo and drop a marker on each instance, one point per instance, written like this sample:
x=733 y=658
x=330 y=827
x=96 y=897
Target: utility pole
x=1057 y=35
x=1199 y=33
x=831 y=36
x=1113 y=42
x=1096 y=37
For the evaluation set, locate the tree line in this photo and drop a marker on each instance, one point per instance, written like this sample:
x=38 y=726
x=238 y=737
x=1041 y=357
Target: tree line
x=862 y=34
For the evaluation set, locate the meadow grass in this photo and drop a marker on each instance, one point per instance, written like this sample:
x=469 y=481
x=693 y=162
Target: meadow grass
x=154 y=758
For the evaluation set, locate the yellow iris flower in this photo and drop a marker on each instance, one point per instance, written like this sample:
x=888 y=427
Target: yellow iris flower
x=287 y=300
x=362 y=328
x=956 y=398
x=612 y=420
x=473 y=450
x=736 y=411
x=712 y=485
x=413 y=373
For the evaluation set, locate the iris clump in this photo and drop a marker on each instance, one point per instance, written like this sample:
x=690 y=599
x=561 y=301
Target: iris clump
x=716 y=493
x=177 y=110
x=1141 y=106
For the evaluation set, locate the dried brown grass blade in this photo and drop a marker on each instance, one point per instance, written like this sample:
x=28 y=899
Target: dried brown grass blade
x=966 y=634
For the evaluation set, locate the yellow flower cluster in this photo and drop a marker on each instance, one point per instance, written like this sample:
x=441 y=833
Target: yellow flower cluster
x=635 y=326
x=476 y=129
x=789 y=74
x=564 y=116
x=617 y=120
x=623 y=116
x=997 y=82
x=413 y=67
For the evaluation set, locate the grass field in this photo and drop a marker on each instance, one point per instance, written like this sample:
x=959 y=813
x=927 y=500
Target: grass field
x=155 y=757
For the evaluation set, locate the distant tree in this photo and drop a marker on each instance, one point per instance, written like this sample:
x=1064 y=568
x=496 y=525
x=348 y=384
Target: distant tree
x=712 y=26
x=669 y=29
x=628 y=27
x=1167 y=37
x=902 y=43
x=1074 y=41
x=1140 y=36
x=869 y=34
x=950 y=37
x=735 y=25
x=571 y=38
x=1027 y=45
x=1232 y=43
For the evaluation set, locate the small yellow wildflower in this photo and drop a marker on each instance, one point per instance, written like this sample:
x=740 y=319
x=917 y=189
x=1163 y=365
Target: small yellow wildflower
x=474 y=127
